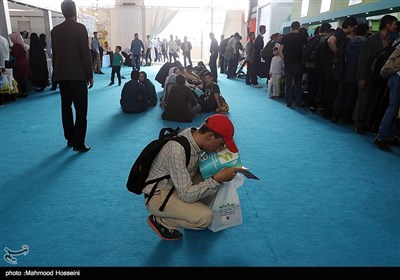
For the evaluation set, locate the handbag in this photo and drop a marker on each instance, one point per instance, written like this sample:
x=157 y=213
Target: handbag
x=226 y=206
x=224 y=107
x=4 y=85
x=11 y=63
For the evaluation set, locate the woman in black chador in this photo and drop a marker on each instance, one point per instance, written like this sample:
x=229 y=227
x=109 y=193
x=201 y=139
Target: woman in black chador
x=38 y=63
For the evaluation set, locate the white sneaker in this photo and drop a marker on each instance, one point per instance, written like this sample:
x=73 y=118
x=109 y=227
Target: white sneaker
x=257 y=86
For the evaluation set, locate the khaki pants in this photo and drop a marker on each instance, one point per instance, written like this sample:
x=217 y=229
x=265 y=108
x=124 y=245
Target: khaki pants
x=179 y=214
x=97 y=64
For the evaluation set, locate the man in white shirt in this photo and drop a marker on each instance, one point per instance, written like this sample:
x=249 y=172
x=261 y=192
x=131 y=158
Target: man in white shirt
x=149 y=46
x=4 y=51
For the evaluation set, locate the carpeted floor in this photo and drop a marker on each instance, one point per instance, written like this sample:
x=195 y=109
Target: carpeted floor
x=327 y=196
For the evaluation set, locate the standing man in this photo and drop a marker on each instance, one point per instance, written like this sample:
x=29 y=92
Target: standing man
x=149 y=46
x=155 y=47
x=172 y=49
x=4 y=51
x=4 y=56
x=258 y=46
x=249 y=59
x=137 y=48
x=95 y=51
x=370 y=90
x=387 y=130
x=213 y=56
x=72 y=71
x=222 y=61
x=186 y=51
x=291 y=50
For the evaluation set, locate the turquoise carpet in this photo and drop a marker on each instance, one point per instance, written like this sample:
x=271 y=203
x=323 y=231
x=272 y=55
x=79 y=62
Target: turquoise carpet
x=326 y=196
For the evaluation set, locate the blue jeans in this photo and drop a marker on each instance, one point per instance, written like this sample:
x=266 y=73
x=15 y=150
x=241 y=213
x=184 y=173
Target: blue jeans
x=387 y=130
x=136 y=61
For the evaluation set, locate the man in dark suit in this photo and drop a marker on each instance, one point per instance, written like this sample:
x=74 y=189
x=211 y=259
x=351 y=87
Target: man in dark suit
x=73 y=71
x=258 y=46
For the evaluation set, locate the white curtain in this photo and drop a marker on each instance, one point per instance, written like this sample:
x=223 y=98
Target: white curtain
x=126 y=21
x=157 y=20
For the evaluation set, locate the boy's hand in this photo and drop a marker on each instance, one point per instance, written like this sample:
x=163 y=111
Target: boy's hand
x=227 y=174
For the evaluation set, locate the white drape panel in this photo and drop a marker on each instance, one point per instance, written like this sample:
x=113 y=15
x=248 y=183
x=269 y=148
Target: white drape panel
x=158 y=19
x=126 y=21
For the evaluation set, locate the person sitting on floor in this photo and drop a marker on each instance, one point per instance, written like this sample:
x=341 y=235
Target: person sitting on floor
x=208 y=100
x=133 y=95
x=182 y=105
x=150 y=88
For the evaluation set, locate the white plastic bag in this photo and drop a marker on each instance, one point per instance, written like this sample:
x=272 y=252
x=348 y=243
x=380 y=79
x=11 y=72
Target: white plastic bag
x=226 y=206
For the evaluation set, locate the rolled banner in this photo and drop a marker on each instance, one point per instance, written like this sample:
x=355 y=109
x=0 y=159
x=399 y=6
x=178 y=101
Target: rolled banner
x=213 y=162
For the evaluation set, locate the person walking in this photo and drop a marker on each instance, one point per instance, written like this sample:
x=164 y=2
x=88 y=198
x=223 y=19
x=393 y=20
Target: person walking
x=137 y=49
x=73 y=72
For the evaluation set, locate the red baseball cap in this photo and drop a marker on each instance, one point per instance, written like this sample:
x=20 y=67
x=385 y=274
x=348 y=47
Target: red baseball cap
x=219 y=123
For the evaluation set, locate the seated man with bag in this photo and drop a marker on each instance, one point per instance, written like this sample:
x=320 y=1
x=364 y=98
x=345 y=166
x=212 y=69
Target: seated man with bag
x=211 y=100
x=187 y=206
x=182 y=105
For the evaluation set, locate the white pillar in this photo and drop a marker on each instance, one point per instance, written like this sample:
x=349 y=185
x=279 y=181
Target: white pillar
x=5 y=22
x=143 y=23
x=48 y=25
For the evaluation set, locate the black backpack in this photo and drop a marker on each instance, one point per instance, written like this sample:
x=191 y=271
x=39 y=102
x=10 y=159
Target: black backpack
x=322 y=52
x=379 y=60
x=267 y=52
x=309 y=48
x=140 y=169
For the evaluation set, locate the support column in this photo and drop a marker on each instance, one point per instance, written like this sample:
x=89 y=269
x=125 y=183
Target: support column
x=48 y=26
x=143 y=23
x=5 y=22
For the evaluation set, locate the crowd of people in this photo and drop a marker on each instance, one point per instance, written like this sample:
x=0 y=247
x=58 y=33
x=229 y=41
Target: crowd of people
x=328 y=72
x=29 y=64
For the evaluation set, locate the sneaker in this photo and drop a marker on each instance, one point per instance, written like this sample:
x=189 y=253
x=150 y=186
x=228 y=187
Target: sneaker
x=163 y=232
x=257 y=86
x=110 y=84
x=383 y=145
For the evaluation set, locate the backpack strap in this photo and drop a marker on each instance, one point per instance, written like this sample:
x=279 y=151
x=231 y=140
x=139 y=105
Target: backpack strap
x=166 y=199
x=186 y=145
x=171 y=132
